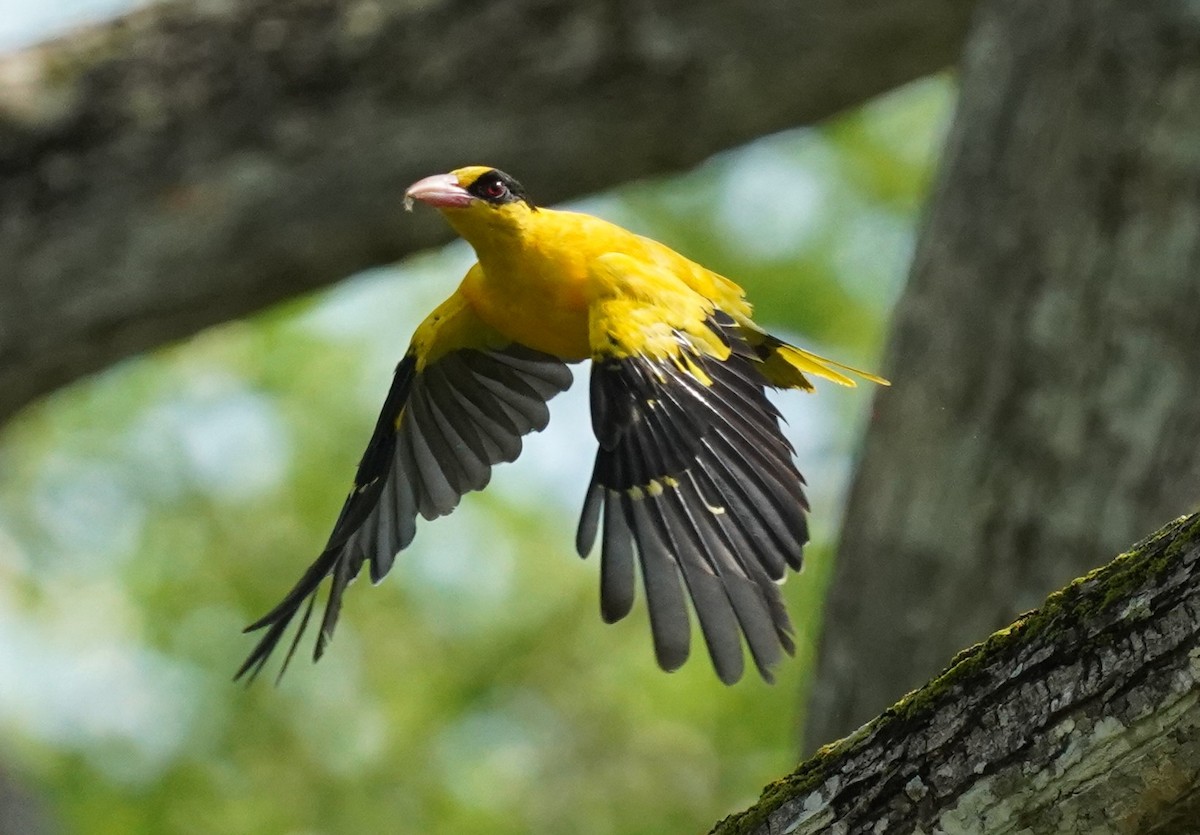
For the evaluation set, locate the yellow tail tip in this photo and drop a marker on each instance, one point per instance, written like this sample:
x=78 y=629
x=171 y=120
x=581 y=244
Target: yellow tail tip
x=807 y=362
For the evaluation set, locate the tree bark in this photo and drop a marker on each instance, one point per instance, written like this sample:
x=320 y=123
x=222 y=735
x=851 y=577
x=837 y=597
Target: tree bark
x=194 y=162
x=1082 y=718
x=1046 y=403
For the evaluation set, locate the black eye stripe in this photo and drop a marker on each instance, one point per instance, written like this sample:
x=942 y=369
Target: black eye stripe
x=498 y=188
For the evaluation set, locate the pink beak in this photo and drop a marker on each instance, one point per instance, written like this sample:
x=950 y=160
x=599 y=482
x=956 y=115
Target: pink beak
x=441 y=191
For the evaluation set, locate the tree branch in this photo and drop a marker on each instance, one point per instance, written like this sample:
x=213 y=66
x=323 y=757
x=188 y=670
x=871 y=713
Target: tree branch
x=194 y=162
x=1082 y=717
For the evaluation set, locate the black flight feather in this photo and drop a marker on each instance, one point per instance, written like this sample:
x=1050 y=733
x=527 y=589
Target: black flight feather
x=437 y=437
x=695 y=478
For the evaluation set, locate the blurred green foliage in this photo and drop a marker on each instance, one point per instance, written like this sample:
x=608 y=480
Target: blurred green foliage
x=146 y=515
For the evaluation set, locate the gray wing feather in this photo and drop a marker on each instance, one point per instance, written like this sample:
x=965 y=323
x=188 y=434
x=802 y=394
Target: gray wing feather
x=440 y=432
x=466 y=413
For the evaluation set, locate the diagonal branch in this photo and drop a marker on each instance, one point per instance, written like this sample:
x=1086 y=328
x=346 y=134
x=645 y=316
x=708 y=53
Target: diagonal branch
x=194 y=162
x=1082 y=717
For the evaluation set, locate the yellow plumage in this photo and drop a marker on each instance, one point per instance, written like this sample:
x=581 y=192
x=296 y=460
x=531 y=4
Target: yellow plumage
x=540 y=271
x=693 y=482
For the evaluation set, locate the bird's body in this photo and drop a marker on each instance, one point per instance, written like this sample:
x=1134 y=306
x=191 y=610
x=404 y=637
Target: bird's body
x=693 y=479
x=536 y=280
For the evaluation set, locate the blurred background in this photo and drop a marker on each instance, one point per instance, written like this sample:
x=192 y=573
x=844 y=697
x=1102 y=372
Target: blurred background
x=149 y=513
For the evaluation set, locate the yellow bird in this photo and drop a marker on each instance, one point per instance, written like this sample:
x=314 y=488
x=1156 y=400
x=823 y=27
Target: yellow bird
x=693 y=480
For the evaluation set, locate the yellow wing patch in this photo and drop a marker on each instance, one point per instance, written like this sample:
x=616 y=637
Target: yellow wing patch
x=640 y=309
x=452 y=325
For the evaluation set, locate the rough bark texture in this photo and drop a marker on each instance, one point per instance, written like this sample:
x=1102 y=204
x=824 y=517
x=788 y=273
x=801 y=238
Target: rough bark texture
x=1082 y=718
x=196 y=161
x=1046 y=402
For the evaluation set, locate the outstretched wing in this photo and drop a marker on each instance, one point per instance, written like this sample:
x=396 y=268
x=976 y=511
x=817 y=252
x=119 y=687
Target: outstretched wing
x=694 y=481
x=451 y=414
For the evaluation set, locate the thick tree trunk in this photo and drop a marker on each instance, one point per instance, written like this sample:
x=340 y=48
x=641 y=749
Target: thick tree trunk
x=1082 y=718
x=1045 y=354
x=194 y=162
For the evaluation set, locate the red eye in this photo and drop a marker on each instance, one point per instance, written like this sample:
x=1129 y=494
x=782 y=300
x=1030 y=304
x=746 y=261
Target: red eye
x=494 y=189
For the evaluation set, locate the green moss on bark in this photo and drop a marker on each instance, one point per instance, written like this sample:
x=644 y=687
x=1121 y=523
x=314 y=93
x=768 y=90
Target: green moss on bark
x=1083 y=601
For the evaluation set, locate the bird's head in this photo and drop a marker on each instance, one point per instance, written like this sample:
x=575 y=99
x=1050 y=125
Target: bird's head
x=478 y=201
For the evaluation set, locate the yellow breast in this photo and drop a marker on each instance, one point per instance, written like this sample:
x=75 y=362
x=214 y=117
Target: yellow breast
x=533 y=286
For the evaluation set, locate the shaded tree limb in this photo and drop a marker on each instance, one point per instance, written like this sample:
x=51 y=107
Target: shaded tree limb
x=1083 y=717
x=1044 y=352
x=194 y=162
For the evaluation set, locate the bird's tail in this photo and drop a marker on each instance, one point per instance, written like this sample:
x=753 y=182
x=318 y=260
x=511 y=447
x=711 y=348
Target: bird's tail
x=786 y=365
